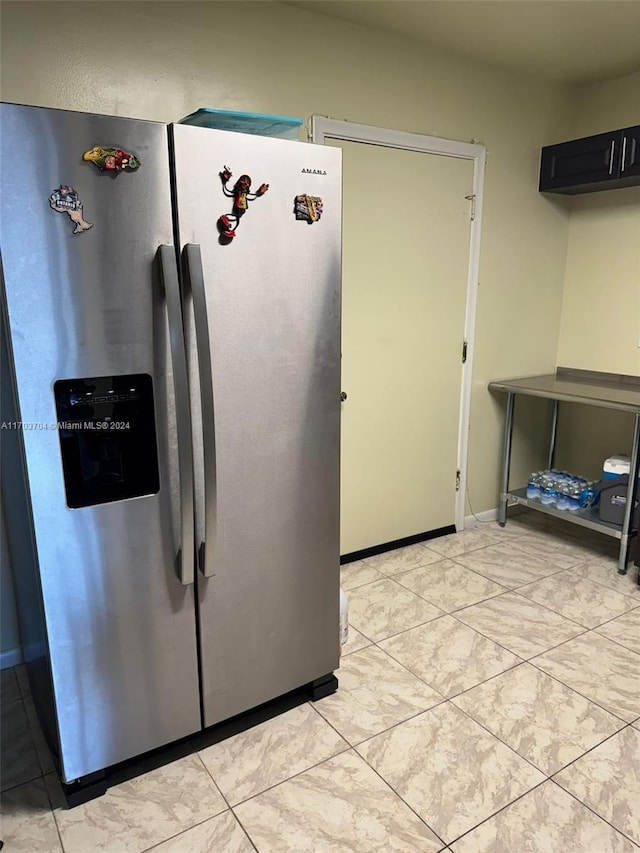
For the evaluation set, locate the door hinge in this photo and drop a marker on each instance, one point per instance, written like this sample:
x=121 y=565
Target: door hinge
x=458 y=480
x=464 y=352
x=472 y=199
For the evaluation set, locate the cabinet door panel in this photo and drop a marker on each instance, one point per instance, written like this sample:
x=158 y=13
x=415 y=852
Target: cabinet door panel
x=630 y=158
x=581 y=161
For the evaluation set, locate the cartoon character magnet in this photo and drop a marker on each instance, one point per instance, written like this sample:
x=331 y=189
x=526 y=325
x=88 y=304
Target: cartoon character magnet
x=241 y=195
x=65 y=200
x=113 y=160
x=308 y=208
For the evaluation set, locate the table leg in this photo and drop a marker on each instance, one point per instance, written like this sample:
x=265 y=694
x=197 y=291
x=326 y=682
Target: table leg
x=506 y=461
x=627 y=524
x=554 y=431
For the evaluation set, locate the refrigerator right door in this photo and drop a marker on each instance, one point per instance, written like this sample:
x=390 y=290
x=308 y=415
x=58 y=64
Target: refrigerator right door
x=262 y=310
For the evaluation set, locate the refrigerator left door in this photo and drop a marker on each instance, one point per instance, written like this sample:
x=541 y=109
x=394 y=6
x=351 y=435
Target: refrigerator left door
x=90 y=337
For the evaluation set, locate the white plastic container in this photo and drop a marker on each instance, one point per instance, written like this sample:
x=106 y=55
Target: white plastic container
x=344 y=619
x=615 y=466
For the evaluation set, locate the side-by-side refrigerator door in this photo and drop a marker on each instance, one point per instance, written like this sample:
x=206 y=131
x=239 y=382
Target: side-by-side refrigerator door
x=261 y=257
x=95 y=328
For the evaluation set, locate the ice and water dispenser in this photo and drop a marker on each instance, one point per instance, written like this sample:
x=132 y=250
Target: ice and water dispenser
x=107 y=435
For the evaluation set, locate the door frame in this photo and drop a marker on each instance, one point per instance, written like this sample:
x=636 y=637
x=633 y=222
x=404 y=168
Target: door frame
x=323 y=128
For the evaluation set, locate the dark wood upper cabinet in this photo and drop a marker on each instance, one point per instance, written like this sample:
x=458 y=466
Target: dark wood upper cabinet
x=602 y=162
x=630 y=157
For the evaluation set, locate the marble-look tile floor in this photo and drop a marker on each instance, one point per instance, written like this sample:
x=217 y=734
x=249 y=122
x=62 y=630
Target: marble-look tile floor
x=489 y=702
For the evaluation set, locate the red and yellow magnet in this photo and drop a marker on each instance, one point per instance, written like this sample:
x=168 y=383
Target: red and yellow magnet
x=113 y=160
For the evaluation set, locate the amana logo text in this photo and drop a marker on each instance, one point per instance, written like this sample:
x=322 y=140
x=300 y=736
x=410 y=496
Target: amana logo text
x=313 y=172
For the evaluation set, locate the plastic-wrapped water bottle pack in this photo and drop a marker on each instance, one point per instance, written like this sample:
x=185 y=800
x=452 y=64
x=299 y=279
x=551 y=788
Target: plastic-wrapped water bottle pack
x=562 y=490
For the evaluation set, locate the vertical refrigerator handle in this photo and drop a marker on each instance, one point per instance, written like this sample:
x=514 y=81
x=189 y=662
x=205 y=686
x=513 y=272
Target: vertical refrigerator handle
x=169 y=278
x=194 y=274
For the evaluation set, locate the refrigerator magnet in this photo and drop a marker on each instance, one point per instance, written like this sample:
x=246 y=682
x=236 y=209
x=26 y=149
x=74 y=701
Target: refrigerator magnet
x=241 y=195
x=65 y=200
x=111 y=160
x=308 y=208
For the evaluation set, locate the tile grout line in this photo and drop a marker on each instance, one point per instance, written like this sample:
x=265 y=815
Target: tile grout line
x=502 y=809
x=500 y=645
x=398 y=795
x=593 y=811
x=584 y=696
x=611 y=639
x=53 y=813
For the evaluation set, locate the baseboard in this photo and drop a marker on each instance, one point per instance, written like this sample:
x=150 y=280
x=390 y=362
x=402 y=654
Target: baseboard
x=482 y=517
x=397 y=543
x=9 y=658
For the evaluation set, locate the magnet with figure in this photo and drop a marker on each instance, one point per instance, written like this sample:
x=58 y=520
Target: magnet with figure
x=307 y=208
x=65 y=200
x=241 y=195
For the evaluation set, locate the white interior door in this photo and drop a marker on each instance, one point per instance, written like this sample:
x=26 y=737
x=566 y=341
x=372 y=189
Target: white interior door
x=405 y=274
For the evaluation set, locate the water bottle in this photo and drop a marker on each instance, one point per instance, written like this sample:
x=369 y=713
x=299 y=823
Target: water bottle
x=549 y=491
x=344 y=619
x=534 y=490
x=588 y=495
x=563 y=499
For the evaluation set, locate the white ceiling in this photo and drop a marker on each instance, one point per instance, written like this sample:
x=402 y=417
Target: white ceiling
x=572 y=41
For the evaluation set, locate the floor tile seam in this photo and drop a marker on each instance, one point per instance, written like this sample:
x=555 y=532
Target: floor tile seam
x=442 y=701
x=409 y=670
x=439 y=606
x=6 y=704
x=579 y=561
x=54 y=813
x=633 y=601
x=215 y=784
x=233 y=806
x=244 y=829
x=348 y=589
x=348 y=745
x=516 y=591
x=584 y=696
x=559 y=613
x=495 y=643
x=290 y=778
x=456 y=560
x=467 y=550
x=612 y=639
x=606 y=586
x=398 y=795
x=361 y=649
x=591 y=749
x=38 y=749
x=554 y=772
x=405 y=589
x=593 y=811
x=499 y=738
x=404 y=630
x=542 y=578
x=501 y=809
x=581 y=632
x=183 y=831
x=512 y=588
x=519 y=662
x=12 y=787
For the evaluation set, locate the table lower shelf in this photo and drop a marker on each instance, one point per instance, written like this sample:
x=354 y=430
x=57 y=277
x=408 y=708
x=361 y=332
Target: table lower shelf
x=584 y=517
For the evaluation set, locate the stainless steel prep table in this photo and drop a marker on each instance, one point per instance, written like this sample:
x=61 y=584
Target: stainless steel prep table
x=603 y=390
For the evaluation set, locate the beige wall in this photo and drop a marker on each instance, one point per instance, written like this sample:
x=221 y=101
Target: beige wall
x=600 y=324
x=163 y=60
x=602 y=279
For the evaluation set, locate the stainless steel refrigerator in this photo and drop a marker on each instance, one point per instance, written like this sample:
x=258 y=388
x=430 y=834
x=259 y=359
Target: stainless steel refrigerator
x=171 y=327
